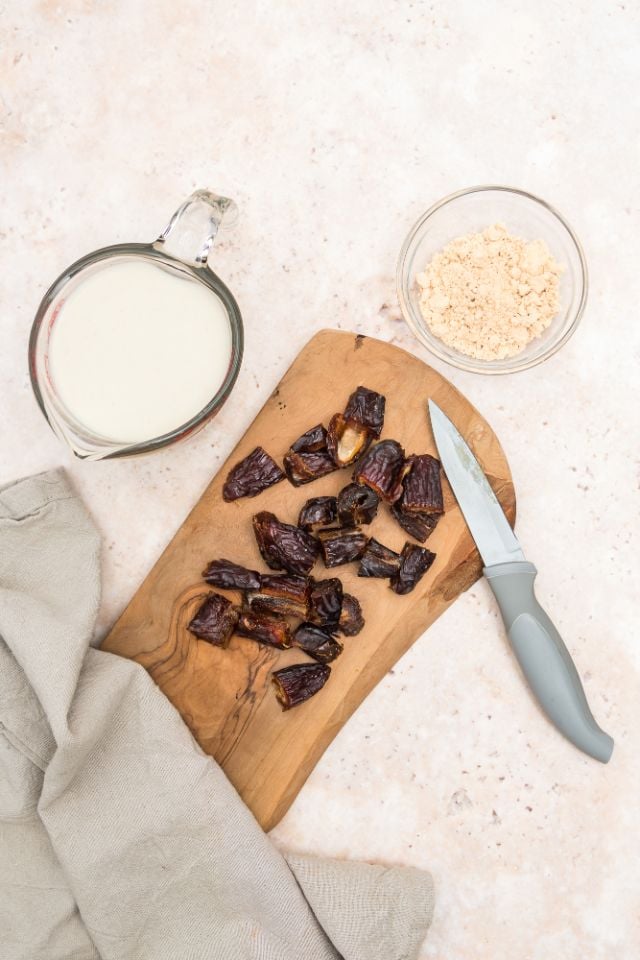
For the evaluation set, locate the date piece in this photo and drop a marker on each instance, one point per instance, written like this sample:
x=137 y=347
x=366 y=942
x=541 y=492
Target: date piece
x=351 y=619
x=346 y=440
x=422 y=486
x=318 y=512
x=418 y=525
x=252 y=475
x=299 y=682
x=341 y=546
x=382 y=469
x=366 y=407
x=227 y=575
x=273 y=631
x=305 y=467
x=310 y=442
x=283 y=594
x=283 y=546
x=215 y=620
x=357 y=504
x=414 y=563
x=318 y=643
x=325 y=602
x=378 y=560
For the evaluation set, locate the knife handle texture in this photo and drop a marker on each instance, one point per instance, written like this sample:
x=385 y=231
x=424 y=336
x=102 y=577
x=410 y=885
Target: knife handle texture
x=544 y=659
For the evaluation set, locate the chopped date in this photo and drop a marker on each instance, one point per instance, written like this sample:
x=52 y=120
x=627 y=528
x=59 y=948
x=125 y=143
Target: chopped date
x=414 y=563
x=273 y=631
x=252 y=475
x=318 y=643
x=346 y=440
x=417 y=525
x=341 y=546
x=357 y=504
x=351 y=620
x=283 y=546
x=318 y=512
x=284 y=594
x=325 y=601
x=215 y=620
x=383 y=469
x=422 y=486
x=378 y=560
x=299 y=682
x=366 y=407
x=311 y=441
x=305 y=467
x=231 y=576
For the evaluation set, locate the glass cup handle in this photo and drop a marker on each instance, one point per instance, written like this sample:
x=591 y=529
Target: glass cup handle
x=192 y=229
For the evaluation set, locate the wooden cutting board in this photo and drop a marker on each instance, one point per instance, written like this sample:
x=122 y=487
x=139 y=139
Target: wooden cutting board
x=225 y=696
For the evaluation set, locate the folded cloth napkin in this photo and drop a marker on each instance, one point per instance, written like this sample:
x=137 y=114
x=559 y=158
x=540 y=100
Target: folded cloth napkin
x=119 y=838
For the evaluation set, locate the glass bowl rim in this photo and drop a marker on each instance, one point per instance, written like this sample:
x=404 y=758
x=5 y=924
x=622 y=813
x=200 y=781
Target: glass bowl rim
x=471 y=364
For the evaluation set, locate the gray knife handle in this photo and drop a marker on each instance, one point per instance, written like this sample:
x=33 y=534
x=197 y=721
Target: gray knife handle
x=544 y=659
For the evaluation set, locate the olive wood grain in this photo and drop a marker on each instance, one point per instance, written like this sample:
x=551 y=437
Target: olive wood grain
x=225 y=696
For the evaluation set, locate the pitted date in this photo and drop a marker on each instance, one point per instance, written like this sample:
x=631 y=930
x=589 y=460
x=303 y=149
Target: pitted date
x=285 y=594
x=378 y=561
x=310 y=442
x=341 y=546
x=325 y=602
x=272 y=631
x=420 y=526
x=346 y=440
x=366 y=407
x=283 y=546
x=317 y=642
x=422 y=491
x=382 y=469
x=215 y=620
x=305 y=467
x=357 y=504
x=227 y=575
x=414 y=563
x=299 y=682
x=351 y=620
x=252 y=475
x=318 y=512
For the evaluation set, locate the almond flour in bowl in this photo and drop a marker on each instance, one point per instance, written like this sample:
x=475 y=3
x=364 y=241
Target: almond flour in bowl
x=492 y=280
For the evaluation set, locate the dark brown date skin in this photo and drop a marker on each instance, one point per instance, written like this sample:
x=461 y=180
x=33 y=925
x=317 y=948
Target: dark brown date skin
x=252 y=475
x=318 y=512
x=351 y=620
x=318 y=643
x=305 y=467
x=382 y=469
x=227 y=575
x=422 y=487
x=346 y=440
x=311 y=441
x=366 y=407
x=283 y=594
x=283 y=546
x=378 y=561
x=414 y=563
x=420 y=526
x=325 y=602
x=357 y=505
x=341 y=546
x=214 y=621
x=273 y=631
x=299 y=682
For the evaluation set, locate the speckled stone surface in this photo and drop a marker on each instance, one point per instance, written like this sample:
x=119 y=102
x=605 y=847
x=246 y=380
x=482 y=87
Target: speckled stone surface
x=334 y=126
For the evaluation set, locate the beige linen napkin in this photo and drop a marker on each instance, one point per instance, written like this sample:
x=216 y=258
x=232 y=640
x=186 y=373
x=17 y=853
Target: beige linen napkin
x=119 y=838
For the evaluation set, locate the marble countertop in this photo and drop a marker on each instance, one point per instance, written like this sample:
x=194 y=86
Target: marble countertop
x=334 y=126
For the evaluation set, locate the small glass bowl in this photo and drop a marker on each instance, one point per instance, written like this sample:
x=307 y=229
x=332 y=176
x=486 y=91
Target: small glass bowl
x=470 y=211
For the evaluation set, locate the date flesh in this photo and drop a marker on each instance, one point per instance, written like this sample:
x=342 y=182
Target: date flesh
x=215 y=620
x=310 y=442
x=382 y=469
x=273 y=631
x=346 y=440
x=282 y=594
x=252 y=475
x=318 y=512
x=318 y=643
x=299 y=682
x=378 y=560
x=227 y=575
x=366 y=407
x=341 y=546
x=418 y=525
x=283 y=546
x=414 y=563
x=351 y=620
x=325 y=601
x=357 y=504
x=305 y=467
x=422 y=487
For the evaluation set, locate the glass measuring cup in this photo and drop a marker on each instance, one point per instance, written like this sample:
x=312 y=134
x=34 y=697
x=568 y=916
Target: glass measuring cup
x=180 y=251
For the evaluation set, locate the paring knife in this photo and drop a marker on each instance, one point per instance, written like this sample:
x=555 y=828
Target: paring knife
x=543 y=657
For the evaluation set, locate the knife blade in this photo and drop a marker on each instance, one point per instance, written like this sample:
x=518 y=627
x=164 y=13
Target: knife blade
x=539 y=649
